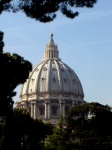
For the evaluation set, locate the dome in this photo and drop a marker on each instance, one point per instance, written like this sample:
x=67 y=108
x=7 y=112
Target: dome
x=53 y=76
x=52 y=81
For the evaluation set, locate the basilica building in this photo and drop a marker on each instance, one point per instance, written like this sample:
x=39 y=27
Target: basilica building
x=52 y=88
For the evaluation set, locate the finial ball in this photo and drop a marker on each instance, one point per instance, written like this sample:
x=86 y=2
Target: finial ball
x=51 y=35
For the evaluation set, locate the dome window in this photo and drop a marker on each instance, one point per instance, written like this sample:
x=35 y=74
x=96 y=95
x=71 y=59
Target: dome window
x=62 y=69
x=70 y=71
x=54 y=69
x=74 y=81
x=45 y=69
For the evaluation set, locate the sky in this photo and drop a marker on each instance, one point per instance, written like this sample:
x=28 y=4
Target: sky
x=84 y=44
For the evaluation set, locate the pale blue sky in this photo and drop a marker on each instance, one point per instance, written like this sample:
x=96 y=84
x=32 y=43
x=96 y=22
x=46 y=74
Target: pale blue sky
x=84 y=43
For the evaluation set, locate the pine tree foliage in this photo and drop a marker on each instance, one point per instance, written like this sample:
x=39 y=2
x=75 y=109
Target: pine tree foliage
x=14 y=70
x=45 y=10
x=21 y=132
x=4 y=5
x=83 y=132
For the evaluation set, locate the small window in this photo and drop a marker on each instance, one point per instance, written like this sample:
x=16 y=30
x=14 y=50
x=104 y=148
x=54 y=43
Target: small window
x=74 y=81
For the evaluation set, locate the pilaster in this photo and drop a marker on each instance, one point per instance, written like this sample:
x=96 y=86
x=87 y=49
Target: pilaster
x=35 y=110
x=49 y=108
x=46 y=110
x=63 y=108
x=32 y=110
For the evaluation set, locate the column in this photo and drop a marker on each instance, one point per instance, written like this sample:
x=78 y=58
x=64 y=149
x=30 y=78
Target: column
x=46 y=110
x=23 y=106
x=35 y=111
x=49 y=113
x=63 y=109
x=31 y=110
x=50 y=54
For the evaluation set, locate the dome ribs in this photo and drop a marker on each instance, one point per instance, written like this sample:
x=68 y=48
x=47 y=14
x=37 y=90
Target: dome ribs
x=52 y=85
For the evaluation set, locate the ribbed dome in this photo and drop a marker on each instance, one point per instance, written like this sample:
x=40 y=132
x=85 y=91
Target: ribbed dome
x=52 y=78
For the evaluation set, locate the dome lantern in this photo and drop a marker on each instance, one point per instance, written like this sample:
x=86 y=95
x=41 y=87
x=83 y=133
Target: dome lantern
x=51 y=51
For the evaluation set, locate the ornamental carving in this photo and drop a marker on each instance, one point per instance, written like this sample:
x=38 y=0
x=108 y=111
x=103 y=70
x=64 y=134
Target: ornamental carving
x=42 y=94
x=54 y=94
x=23 y=97
x=52 y=62
x=31 y=96
x=36 y=69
